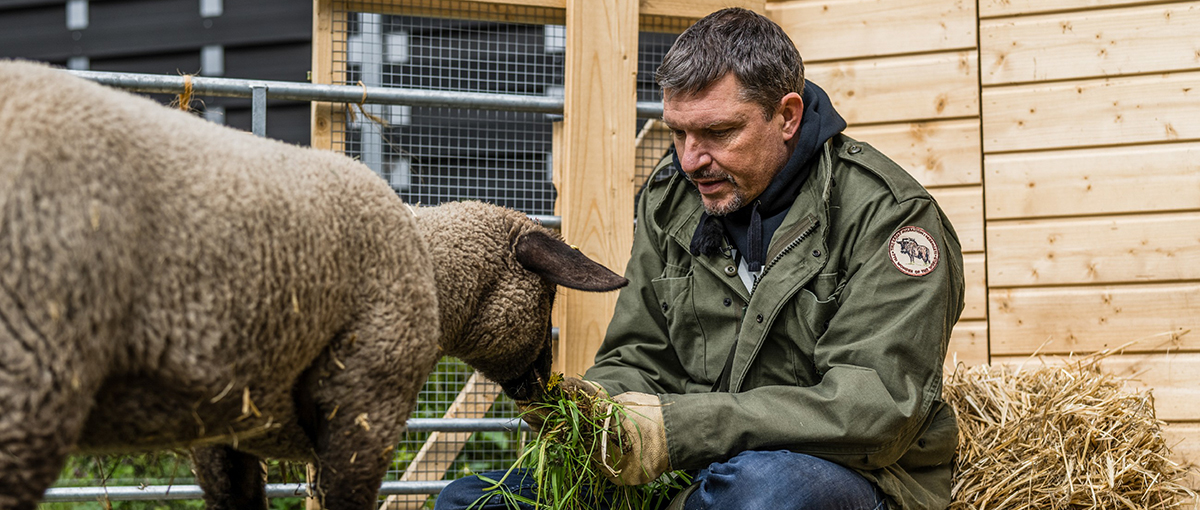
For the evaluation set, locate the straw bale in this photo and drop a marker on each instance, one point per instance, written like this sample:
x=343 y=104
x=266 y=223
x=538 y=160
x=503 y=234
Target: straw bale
x=1064 y=436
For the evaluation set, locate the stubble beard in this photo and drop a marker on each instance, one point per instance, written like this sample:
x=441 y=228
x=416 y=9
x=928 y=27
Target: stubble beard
x=720 y=209
x=733 y=204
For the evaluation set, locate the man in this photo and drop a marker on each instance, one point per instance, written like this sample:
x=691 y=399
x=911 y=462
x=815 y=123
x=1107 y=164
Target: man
x=792 y=292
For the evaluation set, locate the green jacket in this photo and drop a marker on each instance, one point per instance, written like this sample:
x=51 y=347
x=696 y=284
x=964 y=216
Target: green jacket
x=839 y=352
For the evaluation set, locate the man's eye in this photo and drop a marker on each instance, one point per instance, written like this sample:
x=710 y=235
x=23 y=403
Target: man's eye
x=720 y=133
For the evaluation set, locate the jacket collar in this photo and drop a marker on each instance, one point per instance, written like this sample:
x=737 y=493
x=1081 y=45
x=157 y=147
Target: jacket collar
x=679 y=211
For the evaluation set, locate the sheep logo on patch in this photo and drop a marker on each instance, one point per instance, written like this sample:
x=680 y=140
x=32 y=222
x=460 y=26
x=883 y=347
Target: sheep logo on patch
x=913 y=251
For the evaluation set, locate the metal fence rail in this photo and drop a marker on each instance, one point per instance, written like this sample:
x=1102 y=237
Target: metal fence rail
x=290 y=490
x=177 y=492
x=261 y=90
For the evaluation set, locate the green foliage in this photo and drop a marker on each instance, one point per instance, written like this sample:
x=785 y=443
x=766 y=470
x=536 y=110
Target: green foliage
x=577 y=429
x=163 y=468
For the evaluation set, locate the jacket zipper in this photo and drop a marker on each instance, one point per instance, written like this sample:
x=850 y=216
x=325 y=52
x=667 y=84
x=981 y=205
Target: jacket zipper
x=792 y=245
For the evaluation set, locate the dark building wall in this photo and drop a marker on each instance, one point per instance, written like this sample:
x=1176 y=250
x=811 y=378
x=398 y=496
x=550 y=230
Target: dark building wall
x=258 y=39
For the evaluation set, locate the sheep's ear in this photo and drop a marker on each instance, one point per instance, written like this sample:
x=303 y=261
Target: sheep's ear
x=561 y=264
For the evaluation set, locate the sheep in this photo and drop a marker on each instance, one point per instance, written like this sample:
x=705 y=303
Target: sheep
x=166 y=282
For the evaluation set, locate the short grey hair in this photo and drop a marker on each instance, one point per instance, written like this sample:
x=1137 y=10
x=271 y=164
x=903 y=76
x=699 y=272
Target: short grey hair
x=755 y=49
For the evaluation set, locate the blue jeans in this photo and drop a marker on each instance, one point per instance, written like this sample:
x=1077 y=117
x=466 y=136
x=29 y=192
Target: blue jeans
x=777 y=480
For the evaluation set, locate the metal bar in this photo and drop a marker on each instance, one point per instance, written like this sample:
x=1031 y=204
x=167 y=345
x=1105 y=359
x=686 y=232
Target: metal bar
x=554 y=222
x=258 y=109
x=177 y=492
x=466 y=425
x=297 y=91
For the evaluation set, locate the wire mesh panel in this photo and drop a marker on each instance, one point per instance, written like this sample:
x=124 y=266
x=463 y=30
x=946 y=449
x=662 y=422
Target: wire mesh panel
x=654 y=140
x=433 y=155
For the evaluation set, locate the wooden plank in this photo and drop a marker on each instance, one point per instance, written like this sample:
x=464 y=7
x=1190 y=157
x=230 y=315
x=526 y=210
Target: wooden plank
x=840 y=29
x=1173 y=378
x=558 y=314
x=964 y=207
x=538 y=12
x=1090 y=113
x=322 y=72
x=968 y=345
x=1156 y=38
x=901 y=89
x=975 y=294
x=1184 y=441
x=939 y=153
x=696 y=8
x=1120 y=249
x=441 y=448
x=998 y=8
x=1143 y=178
x=596 y=195
x=1060 y=320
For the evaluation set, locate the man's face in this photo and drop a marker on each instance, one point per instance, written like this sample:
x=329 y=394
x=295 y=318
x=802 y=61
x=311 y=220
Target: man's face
x=726 y=146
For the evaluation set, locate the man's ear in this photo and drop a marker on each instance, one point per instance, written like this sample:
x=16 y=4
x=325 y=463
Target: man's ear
x=791 y=107
x=561 y=264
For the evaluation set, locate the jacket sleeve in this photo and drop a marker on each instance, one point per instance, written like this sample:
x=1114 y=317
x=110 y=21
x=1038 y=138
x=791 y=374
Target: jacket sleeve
x=637 y=354
x=878 y=363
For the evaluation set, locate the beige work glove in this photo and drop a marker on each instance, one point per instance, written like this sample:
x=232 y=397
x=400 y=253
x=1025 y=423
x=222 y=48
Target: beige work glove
x=535 y=415
x=641 y=455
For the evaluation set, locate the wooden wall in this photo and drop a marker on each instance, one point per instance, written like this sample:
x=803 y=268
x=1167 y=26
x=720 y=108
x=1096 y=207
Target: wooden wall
x=1091 y=118
x=904 y=74
x=1062 y=137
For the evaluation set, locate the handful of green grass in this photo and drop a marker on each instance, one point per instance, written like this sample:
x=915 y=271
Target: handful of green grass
x=561 y=456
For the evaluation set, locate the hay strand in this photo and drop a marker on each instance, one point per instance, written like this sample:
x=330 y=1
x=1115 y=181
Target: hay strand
x=1059 y=437
x=183 y=100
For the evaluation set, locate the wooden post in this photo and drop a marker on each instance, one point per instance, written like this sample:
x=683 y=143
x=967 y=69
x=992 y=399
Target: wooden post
x=599 y=120
x=322 y=72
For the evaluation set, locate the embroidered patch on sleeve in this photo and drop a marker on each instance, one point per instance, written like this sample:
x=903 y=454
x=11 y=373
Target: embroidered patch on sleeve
x=913 y=251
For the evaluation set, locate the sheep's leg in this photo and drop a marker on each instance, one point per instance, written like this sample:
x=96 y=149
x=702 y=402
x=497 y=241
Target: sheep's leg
x=44 y=408
x=231 y=480
x=367 y=386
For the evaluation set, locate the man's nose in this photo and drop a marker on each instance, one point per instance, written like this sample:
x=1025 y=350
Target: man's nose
x=693 y=156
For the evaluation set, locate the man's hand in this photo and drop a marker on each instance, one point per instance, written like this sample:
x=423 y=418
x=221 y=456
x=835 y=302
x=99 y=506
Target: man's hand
x=642 y=453
x=535 y=414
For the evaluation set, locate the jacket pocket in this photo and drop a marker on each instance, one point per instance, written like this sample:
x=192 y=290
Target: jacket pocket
x=819 y=303
x=674 y=295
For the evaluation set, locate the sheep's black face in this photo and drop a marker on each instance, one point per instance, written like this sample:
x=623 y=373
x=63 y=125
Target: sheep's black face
x=530 y=384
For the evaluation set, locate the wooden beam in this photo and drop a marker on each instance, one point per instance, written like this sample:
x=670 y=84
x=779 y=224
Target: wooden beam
x=597 y=189
x=696 y=9
x=534 y=11
x=1114 y=249
x=1173 y=377
x=1000 y=8
x=322 y=72
x=968 y=345
x=939 y=153
x=1060 y=320
x=823 y=30
x=442 y=448
x=1136 y=40
x=558 y=315
x=1141 y=178
x=1089 y=113
x=1184 y=440
x=901 y=89
x=964 y=207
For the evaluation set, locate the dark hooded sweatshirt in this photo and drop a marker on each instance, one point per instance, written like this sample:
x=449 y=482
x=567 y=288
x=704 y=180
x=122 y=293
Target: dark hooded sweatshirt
x=751 y=227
